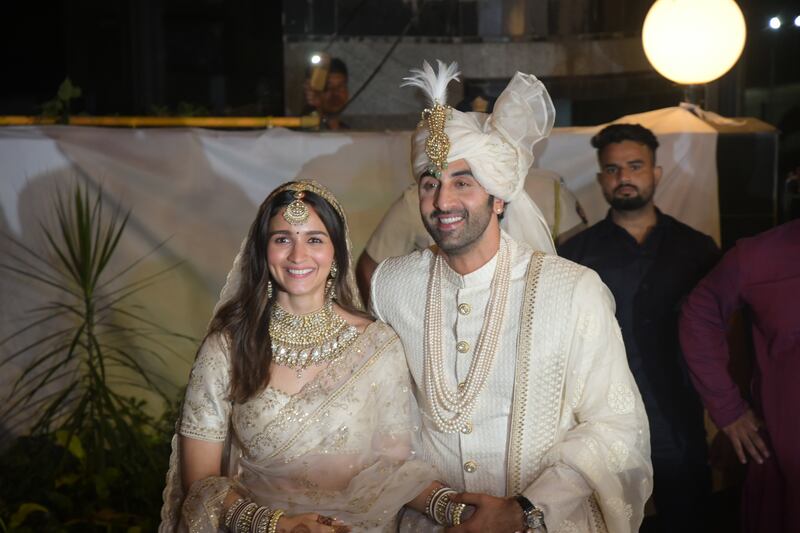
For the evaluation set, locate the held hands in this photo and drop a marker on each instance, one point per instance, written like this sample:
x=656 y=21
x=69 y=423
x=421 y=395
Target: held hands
x=491 y=514
x=311 y=523
x=743 y=433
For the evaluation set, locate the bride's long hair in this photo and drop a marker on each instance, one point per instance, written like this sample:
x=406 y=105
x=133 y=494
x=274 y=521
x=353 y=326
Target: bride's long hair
x=243 y=321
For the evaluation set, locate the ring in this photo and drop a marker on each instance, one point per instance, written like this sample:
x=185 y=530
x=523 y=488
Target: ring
x=325 y=520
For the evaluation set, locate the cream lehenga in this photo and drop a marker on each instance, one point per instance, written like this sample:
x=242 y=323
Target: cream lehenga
x=341 y=447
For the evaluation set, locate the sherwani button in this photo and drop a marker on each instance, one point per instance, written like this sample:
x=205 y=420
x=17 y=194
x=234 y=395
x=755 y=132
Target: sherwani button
x=464 y=309
x=467 y=429
x=470 y=467
x=462 y=346
x=462 y=386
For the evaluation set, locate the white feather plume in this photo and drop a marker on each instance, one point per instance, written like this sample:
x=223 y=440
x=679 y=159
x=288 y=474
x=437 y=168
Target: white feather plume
x=434 y=85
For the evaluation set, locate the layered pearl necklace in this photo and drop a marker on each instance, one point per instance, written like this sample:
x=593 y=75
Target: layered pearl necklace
x=451 y=409
x=299 y=341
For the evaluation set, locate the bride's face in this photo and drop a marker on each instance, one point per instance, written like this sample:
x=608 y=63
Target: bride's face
x=299 y=258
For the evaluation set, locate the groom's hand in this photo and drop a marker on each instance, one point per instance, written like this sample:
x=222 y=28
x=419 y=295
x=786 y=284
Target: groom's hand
x=503 y=515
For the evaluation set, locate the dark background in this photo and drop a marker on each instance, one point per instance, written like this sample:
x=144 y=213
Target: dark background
x=226 y=56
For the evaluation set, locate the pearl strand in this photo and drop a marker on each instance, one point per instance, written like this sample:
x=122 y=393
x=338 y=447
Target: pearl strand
x=461 y=402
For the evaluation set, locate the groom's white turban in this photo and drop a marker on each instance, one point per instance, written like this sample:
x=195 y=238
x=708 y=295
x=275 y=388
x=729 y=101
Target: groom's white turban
x=497 y=147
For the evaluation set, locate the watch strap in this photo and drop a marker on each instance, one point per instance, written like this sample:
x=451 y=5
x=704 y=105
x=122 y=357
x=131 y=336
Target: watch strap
x=533 y=516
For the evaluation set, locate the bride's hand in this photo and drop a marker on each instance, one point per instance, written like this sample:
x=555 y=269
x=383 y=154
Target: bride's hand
x=311 y=523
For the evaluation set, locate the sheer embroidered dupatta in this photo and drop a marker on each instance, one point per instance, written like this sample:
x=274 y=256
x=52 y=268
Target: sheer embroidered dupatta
x=342 y=446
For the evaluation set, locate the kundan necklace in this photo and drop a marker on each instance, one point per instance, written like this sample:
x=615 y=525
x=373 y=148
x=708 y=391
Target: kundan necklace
x=451 y=409
x=299 y=341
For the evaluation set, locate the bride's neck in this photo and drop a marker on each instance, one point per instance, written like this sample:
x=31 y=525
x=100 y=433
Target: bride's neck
x=301 y=305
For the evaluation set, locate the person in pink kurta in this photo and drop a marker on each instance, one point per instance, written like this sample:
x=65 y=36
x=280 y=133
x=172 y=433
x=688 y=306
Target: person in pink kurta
x=762 y=275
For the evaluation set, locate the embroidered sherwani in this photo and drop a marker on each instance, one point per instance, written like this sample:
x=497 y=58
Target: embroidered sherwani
x=560 y=419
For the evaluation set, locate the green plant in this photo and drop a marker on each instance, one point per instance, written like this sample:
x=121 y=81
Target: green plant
x=60 y=106
x=94 y=455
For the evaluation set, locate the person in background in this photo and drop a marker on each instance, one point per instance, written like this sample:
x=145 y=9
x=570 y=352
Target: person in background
x=651 y=262
x=328 y=102
x=760 y=275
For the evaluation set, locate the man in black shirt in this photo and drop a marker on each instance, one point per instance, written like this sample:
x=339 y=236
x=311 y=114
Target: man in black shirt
x=651 y=262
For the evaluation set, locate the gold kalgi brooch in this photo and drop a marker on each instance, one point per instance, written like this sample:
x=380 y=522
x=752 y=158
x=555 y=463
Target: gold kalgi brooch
x=296 y=213
x=437 y=145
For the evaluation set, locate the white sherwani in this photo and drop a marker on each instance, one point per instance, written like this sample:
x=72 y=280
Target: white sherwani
x=560 y=419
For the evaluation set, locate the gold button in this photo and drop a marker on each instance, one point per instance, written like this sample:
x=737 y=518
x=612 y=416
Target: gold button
x=464 y=309
x=462 y=346
x=470 y=467
x=462 y=386
x=467 y=429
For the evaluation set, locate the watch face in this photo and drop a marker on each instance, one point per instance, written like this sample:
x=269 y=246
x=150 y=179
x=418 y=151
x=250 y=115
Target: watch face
x=534 y=518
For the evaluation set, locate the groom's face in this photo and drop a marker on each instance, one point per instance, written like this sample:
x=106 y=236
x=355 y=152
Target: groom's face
x=455 y=208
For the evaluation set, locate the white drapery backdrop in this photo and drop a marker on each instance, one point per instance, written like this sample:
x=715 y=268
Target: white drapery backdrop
x=199 y=190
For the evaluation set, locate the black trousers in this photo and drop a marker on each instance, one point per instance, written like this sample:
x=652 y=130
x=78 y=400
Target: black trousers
x=681 y=480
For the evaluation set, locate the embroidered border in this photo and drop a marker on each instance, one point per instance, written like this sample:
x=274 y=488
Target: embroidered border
x=520 y=395
x=535 y=417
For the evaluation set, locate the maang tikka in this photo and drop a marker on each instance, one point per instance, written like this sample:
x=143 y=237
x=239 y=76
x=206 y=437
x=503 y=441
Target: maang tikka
x=296 y=213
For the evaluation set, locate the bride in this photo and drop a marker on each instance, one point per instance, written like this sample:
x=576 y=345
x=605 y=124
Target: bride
x=298 y=414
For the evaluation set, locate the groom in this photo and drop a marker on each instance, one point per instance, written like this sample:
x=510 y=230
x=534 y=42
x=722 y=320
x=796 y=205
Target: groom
x=528 y=406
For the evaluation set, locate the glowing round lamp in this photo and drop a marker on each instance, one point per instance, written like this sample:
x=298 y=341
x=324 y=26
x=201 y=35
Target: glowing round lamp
x=693 y=41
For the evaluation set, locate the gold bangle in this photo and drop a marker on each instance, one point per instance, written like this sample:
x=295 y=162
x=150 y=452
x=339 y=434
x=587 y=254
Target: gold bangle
x=232 y=510
x=457 y=510
x=273 y=520
x=244 y=520
x=261 y=520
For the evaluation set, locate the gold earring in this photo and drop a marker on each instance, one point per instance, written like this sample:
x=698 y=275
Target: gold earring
x=269 y=289
x=330 y=289
x=334 y=269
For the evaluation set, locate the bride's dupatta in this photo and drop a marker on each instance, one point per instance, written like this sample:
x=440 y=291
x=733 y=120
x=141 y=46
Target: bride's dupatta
x=342 y=446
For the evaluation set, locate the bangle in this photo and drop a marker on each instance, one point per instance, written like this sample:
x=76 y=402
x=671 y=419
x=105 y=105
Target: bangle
x=455 y=516
x=245 y=517
x=261 y=520
x=273 y=520
x=433 y=501
x=440 y=506
x=226 y=523
x=236 y=515
x=429 y=500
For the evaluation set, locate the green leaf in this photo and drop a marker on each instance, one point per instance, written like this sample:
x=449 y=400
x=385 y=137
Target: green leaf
x=52 y=108
x=101 y=487
x=25 y=509
x=74 y=447
x=67 y=480
x=67 y=91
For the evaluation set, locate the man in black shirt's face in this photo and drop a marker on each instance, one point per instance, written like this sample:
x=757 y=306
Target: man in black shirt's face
x=628 y=175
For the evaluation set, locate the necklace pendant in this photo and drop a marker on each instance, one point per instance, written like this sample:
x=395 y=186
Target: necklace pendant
x=299 y=373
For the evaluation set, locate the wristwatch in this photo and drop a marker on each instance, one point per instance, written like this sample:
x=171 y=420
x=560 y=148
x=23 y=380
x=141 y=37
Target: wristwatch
x=533 y=517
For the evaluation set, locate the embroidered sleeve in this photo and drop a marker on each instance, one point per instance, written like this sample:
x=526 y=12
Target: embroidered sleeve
x=206 y=408
x=375 y=292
